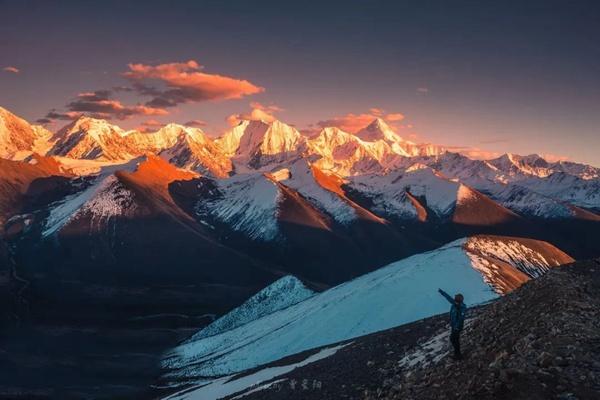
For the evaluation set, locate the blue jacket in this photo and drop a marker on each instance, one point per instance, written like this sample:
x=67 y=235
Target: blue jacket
x=457 y=312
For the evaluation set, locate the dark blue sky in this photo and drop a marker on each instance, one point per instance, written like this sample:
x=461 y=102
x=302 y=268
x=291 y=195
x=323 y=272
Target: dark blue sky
x=504 y=76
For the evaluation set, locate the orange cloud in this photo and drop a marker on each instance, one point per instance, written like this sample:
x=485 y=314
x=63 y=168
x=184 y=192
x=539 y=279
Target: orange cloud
x=150 y=125
x=376 y=111
x=354 y=122
x=258 y=112
x=394 y=117
x=474 y=152
x=13 y=70
x=187 y=83
x=555 y=157
x=196 y=123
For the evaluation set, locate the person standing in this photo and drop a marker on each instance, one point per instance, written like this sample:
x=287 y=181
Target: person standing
x=458 y=311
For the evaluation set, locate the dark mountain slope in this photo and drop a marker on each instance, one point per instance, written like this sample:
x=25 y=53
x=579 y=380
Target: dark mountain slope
x=541 y=341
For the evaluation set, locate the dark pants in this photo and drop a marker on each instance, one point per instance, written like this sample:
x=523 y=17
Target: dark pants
x=455 y=340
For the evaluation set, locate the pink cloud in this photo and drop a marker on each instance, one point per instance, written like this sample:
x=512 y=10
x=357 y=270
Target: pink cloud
x=474 y=152
x=555 y=157
x=10 y=69
x=196 y=123
x=187 y=83
x=394 y=117
x=258 y=112
x=354 y=122
x=150 y=125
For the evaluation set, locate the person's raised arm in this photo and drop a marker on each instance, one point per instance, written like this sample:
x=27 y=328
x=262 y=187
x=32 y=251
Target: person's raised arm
x=447 y=296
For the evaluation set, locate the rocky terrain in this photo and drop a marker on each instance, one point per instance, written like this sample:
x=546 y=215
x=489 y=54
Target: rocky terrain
x=542 y=341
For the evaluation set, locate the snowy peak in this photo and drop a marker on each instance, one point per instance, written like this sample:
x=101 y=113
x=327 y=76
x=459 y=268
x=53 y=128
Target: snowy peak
x=185 y=147
x=346 y=154
x=18 y=138
x=514 y=164
x=230 y=141
x=91 y=138
x=93 y=127
x=379 y=130
x=279 y=295
x=280 y=138
x=258 y=144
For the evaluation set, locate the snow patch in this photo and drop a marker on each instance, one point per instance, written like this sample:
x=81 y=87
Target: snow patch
x=513 y=252
x=282 y=293
x=248 y=204
x=105 y=197
x=399 y=293
x=229 y=385
x=430 y=352
x=303 y=181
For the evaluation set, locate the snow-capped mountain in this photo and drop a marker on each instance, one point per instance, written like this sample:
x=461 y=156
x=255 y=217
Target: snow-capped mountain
x=91 y=138
x=517 y=166
x=425 y=194
x=257 y=144
x=346 y=154
x=266 y=182
x=18 y=139
x=191 y=149
x=481 y=267
x=94 y=139
x=379 y=130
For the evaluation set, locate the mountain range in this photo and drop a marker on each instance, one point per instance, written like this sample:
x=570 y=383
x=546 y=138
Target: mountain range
x=149 y=237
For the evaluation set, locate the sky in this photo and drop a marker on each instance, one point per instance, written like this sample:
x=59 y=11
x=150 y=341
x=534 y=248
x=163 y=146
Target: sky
x=501 y=76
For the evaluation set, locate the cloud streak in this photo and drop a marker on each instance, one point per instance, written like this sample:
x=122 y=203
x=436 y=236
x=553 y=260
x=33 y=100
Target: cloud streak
x=99 y=104
x=196 y=123
x=12 y=70
x=186 y=83
x=150 y=125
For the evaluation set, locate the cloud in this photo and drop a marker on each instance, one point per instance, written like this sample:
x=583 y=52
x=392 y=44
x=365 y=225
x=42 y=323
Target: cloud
x=494 y=141
x=57 y=115
x=354 y=122
x=394 y=117
x=150 y=125
x=258 y=112
x=376 y=111
x=10 y=69
x=99 y=104
x=196 y=123
x=474 y=152
x=422 y=90
x=554 y=157
x=186 y=83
